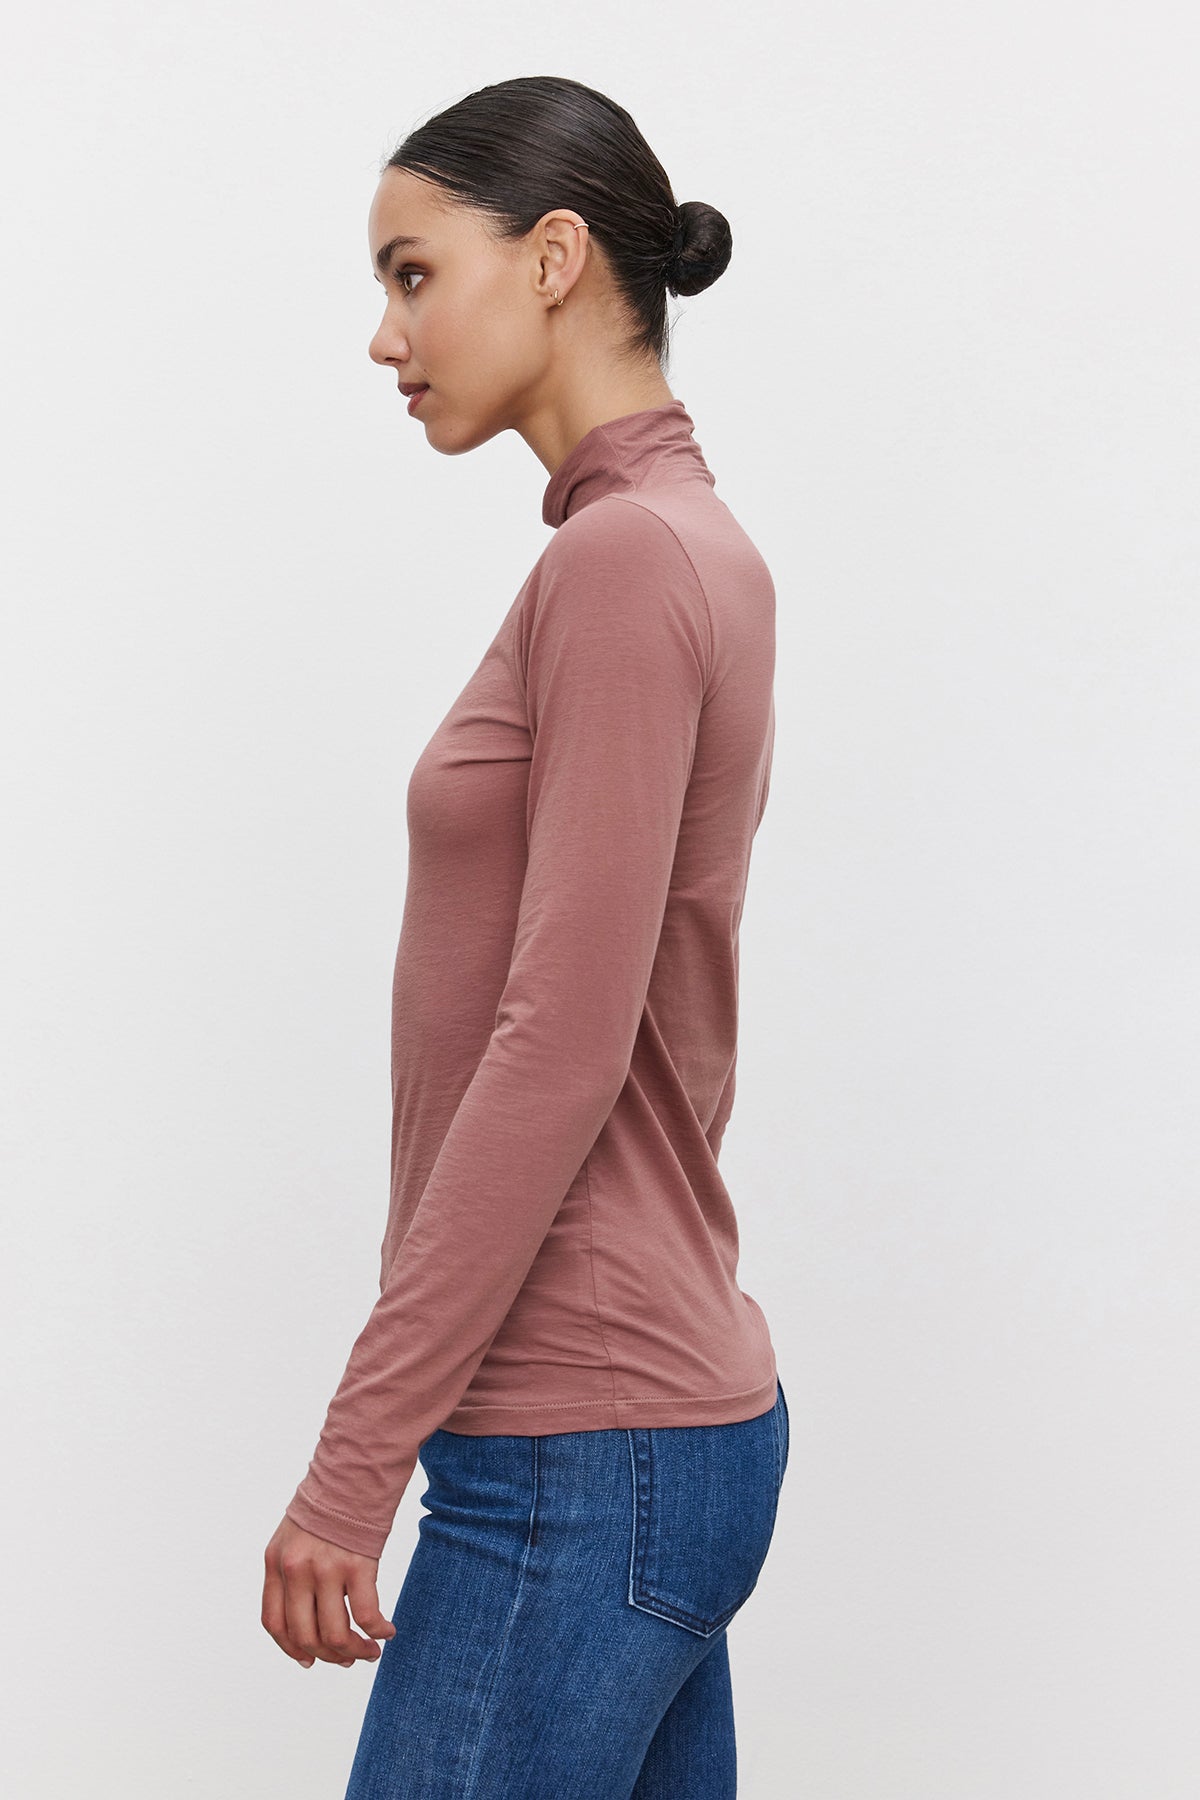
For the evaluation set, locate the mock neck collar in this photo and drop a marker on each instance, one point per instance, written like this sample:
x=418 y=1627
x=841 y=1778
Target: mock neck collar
x=637 y=450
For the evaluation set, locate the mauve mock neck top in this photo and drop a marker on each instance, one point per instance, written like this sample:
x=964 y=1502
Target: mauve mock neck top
x=561 y=1251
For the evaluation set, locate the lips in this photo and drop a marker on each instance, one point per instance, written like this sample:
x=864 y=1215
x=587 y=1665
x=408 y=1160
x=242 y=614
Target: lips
x=408 y=388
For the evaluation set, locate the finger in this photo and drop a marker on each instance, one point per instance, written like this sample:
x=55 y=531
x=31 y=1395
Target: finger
x=300 y=1608
x=274 y=1615
x=338 y=1643
x=364 y=1606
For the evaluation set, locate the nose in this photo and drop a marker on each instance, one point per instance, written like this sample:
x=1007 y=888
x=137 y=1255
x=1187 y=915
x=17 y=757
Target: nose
x=388 y=346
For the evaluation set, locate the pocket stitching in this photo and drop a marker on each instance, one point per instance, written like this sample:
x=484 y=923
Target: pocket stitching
x=640 y=1591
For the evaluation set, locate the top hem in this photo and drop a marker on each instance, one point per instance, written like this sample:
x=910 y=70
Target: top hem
x=543 y=1418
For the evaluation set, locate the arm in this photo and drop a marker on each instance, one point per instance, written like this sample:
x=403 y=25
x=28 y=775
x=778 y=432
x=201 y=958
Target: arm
x=614 y=652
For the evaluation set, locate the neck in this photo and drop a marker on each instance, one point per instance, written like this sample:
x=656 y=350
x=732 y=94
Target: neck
x=650 y=448
x=555 y=430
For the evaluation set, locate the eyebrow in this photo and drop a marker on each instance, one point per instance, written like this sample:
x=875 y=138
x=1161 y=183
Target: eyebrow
x=383 y=257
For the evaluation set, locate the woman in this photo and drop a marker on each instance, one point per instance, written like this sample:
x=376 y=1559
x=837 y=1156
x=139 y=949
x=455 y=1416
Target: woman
x=560 y=1339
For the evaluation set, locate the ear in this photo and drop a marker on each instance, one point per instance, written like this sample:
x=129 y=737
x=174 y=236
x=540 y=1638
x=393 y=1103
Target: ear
x=563 y=253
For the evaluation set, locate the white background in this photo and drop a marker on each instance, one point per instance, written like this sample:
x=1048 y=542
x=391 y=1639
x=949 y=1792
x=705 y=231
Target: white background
x=949 y=386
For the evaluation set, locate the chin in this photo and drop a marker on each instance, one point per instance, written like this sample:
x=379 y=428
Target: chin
x=459 y=438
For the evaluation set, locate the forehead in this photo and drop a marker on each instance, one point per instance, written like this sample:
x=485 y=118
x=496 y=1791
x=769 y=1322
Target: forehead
x=406 y=206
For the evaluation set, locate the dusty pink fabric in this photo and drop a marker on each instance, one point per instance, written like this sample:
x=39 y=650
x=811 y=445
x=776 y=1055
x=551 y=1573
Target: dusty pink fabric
x=561 y=1251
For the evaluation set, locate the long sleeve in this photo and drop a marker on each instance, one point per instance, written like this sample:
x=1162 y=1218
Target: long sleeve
x=611 y=656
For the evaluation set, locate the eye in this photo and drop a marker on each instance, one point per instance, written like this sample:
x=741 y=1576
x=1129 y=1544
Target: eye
x=399 y=274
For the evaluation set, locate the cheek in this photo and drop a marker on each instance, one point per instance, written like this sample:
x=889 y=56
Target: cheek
x=494 y=322
x=508 y=346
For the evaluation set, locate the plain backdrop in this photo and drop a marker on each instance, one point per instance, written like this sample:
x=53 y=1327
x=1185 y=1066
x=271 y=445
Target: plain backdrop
x=949 y=386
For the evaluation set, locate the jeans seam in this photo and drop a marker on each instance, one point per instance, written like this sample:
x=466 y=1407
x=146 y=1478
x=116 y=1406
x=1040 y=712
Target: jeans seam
x=469 y=1787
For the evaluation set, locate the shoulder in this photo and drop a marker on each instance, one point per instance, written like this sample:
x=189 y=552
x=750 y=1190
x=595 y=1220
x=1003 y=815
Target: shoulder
x=613 y=589
x=618 y=530
x=620 y=561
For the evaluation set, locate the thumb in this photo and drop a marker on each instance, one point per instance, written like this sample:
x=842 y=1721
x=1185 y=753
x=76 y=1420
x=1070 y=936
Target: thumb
x=363 y=1596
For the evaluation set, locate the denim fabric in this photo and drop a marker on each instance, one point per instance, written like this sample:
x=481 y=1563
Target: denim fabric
x=561 y=1629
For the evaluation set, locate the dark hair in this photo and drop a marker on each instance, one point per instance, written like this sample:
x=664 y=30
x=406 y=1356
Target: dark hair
x=520 y=148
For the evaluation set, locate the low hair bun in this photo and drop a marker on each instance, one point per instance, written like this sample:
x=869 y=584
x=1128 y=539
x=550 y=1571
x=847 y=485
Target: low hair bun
x=706 y=245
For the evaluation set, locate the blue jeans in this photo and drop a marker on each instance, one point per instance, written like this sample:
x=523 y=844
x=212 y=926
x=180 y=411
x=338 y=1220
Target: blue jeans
x=561 y=1630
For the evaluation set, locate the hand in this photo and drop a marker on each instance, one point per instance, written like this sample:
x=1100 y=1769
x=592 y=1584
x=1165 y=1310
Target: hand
x=307 y=1582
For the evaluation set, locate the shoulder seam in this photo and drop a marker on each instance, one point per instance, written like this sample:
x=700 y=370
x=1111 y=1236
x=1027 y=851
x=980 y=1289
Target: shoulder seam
x=632 y=500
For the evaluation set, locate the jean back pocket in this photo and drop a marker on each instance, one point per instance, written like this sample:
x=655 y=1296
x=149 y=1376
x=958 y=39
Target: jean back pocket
x=704 y=1504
